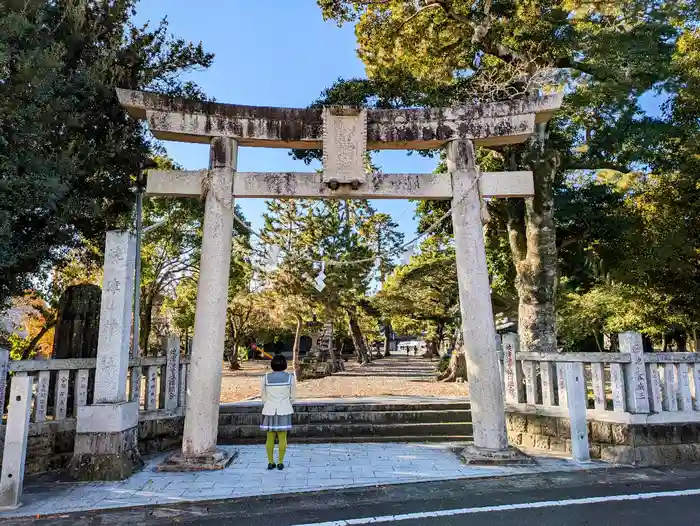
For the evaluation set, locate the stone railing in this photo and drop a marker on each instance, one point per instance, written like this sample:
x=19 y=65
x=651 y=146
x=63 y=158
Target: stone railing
x=61 y=386
x=628 y=387
x=628 y=406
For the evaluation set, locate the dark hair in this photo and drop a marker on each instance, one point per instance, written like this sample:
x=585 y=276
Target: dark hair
x=278 y=363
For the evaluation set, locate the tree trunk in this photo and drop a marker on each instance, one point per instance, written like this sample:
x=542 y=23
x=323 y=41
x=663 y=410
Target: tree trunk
x=145 y=325
x=387 y=338
x=35 y=341
x=532 y=240
x=458 y=361
x=233 y=363
x=296 y=361
x=357 y=340
x=432 y=349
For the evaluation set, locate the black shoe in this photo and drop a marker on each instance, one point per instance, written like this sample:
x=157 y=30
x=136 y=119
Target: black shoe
x=270 y=466
x=280 y=466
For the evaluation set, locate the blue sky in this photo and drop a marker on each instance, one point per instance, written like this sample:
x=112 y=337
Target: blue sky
x=270 y=53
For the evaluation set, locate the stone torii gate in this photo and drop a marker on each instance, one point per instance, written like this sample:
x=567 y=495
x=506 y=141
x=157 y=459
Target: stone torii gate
x=344 y=134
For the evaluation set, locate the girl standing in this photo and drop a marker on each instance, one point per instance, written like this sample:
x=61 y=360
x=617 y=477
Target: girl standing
x=278 y=391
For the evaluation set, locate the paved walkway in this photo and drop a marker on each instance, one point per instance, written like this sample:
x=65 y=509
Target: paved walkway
x=309 y=468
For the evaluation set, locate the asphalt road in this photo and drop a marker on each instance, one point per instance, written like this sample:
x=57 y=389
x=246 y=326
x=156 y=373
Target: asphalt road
x=581 y=498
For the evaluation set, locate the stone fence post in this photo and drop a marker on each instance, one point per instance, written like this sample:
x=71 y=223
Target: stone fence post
x=106 y=446
x=512 y=370
x=16 y=436
x=4 y=365
x=576 y=398
x=636 y=386
x=172 y=373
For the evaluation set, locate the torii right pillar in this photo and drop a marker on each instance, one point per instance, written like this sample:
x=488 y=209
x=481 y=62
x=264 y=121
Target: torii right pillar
x=478 y=327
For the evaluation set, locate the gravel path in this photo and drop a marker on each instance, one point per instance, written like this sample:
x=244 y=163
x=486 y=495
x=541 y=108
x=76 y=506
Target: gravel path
x=394 y=376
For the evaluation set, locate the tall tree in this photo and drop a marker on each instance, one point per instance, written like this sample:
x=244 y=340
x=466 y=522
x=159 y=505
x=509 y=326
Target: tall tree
x=445 y=52
x=68 y=151
x=381 y=231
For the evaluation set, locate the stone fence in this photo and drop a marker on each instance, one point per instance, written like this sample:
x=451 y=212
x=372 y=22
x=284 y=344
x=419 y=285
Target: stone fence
x=59 y=387
x=637 y=407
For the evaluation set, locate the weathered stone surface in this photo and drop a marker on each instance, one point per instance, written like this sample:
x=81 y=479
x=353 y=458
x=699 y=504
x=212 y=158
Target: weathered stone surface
x=687 y=453
x=664 y=434
x=557 y=444
x=617 y=454
x=529 y=441
x=214 y=462
x=78 y=322
x=15 y=443
x=601 y=432
x=106 y=456
x=107 y=418
x=534 y=424
x=622 y=434
x=512 y=370
x=518 y=422
x=648 y=456
x=690 y=433
x=541 y=442
x=202 y=409
x=594 y=451
x=115 y=318
x=563 y=428
x=486 y=457
x=193 y=121
x=635 y=373
x=478 y=328
x=344 y=145
x=549 y=427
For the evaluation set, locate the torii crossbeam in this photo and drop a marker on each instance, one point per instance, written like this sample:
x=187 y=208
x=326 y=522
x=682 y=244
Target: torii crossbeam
x=344 y=134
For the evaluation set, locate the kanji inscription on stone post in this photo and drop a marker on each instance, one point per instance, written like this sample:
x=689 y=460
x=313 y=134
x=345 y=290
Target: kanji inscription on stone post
x=172 y=371
x=511 y=369
x=42 y=396
x=61 y=395
x=344 y=145
x=4 y=364
x=81 y=388
x=635 y=373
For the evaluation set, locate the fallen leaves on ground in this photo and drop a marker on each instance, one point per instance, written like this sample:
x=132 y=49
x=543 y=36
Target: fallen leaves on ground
x=393 y=376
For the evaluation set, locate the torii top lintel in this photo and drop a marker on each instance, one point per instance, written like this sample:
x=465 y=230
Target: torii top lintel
x=488 y=124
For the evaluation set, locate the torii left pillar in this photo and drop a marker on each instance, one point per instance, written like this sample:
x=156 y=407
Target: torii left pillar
x=204 y=382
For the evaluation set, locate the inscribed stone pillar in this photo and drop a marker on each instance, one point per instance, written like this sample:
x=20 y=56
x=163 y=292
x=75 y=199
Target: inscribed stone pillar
x=106 y=432
x=483 y=372
x=635 y=373
x=202 y=408
x=77 y=329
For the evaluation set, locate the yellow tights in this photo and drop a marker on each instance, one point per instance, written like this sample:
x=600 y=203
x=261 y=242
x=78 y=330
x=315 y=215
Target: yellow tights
x=270 y=445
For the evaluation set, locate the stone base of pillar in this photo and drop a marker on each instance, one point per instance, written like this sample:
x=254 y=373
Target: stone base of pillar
x=214 y=462
x=480 y=456
x=106 y=443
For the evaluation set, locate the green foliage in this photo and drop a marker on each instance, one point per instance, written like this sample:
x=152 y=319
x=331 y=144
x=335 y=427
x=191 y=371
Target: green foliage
x=625 y=184
x=68 y=151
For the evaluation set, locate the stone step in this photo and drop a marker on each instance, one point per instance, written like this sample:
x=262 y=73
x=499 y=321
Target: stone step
x=351 y=417
x=344 y=432
x=352 y=405
x=294 y=439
